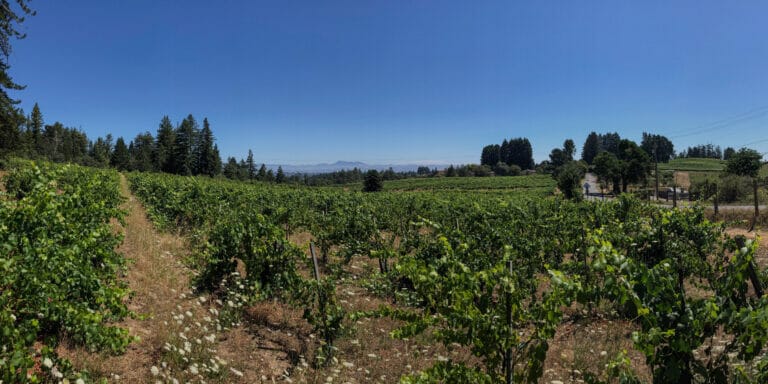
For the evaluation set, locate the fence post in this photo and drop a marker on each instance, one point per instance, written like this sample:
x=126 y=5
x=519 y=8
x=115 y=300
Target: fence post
x=314 y=261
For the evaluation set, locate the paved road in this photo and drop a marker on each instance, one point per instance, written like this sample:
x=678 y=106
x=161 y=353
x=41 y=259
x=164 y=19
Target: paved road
x=594 y=194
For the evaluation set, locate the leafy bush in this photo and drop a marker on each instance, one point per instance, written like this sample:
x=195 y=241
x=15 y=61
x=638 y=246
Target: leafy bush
x=58 y=267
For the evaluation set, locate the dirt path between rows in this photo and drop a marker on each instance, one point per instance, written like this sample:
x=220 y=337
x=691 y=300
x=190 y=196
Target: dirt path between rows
x=171 y=317
x=156 y=278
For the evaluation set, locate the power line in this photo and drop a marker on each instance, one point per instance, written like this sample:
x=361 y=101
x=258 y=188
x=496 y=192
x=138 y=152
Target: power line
x=723 y=123
x=753 y=142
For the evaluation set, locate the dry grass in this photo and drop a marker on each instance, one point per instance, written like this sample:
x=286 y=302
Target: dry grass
x=168 y=309
x=682 y=180
x=156 y=277
x=588 y=345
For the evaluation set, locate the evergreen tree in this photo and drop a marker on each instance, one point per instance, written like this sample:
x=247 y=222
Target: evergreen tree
x=373 y=181
x=232 y=169
x=11 y=118
x=207 y=162
x=520 y=153
x=451 y=171
x=141 y=150
x=101 y=151
x=53 y=142
x=610 y=142
x=252 y=167
x=163 y=151
x=11 y=137
x=121 y=158
x=216 y=160
x=280 y=177
x=183 y=160
x=35 y=131
x=74 y=145
x=270 y=177
x=591 y=148
x=490 y=155
x=262 y=175
x=504 y=153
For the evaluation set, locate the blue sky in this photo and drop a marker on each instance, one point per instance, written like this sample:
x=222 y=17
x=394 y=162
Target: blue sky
x=400 y=81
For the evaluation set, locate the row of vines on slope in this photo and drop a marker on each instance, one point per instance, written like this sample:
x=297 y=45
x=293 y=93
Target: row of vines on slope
x=59 y=271
x=493 y=275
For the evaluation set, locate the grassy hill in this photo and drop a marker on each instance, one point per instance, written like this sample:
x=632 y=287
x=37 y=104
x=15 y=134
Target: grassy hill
x=693 y=164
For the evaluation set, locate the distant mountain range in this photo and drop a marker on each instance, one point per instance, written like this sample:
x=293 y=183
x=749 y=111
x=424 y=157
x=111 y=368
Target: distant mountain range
x=348 y=165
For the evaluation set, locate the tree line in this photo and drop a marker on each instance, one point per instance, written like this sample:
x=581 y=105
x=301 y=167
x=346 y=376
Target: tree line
x=707 y=151
x=183 y=149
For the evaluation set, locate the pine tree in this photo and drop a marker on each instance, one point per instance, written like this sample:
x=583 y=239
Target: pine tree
x=163 y=152
x=141 y=150
x=11 y=118
x=262 y=175
x=207 y=162
x=251 y=166
x=183 y=160
x=101 y=150
x=11 y=138
x=216 y=160
x=280 y=177
x=35 y=131
x=73 y=145
x=231 y=169
x=120 y=158
x=53 y=139
x=373 y=181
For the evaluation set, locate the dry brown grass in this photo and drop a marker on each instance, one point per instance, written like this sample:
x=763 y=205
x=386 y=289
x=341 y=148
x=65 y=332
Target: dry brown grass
x=156 y=277
x=160 y=285
x=682 y=180
x=588 y=345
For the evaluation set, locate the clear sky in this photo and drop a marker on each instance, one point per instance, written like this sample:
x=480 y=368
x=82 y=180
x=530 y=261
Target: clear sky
x=401 y=81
